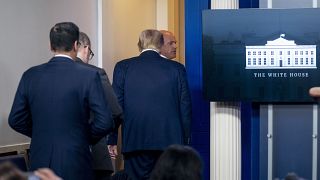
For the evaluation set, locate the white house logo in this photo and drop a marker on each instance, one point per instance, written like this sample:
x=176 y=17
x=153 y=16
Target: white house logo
x=281 y=54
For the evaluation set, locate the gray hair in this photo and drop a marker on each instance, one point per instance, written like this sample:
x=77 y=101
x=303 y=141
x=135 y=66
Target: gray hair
x=150 y=39
x=84 y=39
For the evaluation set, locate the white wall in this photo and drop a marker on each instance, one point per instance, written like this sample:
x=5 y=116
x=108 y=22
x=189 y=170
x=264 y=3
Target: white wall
x=24 y=37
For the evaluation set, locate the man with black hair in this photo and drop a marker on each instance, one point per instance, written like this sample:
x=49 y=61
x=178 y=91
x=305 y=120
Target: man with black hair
x=178 y=162
x=52 y=106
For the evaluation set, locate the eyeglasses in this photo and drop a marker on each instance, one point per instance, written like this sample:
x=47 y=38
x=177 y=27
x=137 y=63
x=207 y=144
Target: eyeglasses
x=91 y=54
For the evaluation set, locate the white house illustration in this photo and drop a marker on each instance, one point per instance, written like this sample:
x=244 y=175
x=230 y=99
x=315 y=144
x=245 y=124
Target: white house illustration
x=281 y=54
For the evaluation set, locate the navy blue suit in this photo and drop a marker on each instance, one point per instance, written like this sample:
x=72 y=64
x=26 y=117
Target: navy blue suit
x=52 y=106
x=154 y=95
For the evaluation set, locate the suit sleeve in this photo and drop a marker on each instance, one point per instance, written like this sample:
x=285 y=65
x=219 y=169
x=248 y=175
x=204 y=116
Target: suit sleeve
x=185 y=106
x=118 y=86
x=102 y=123
x=111 y=98
x=20 y=116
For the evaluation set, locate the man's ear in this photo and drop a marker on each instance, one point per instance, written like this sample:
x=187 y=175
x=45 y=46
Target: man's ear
x=76 y=46
x=50 y=47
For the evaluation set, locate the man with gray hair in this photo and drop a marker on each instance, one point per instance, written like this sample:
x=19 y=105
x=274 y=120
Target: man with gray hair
x=154 y=95
x=102 y=164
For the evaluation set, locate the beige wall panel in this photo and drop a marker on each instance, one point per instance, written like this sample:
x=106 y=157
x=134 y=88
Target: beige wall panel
x=122 y=22
x=181 y=32
x=176 y=25
x=162 y=14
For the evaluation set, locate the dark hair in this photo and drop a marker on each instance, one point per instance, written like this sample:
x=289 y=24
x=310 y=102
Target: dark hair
x=292 y=176
x=63 y=35
x=178 y=163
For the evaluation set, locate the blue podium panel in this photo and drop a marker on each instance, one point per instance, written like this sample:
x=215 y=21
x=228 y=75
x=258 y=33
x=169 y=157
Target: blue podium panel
x=291 y=135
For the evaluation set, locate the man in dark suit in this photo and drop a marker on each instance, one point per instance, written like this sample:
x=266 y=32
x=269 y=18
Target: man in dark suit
x=169 y=48
x=154 y=95
x=102 y=164
x=52 y=106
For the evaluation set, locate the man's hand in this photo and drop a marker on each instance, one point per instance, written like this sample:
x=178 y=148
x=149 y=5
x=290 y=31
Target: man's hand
x=314 y=92
x=113 y=151
x=46 y=174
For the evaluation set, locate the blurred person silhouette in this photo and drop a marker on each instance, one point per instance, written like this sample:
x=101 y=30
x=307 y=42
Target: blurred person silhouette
x=52 y=106
x=102 y=164
x=8 y=171
x=154 y=95
x=293 y=176
x=178 y=162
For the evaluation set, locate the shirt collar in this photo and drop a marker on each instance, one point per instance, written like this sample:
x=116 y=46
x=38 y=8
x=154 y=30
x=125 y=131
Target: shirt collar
x=149 y=50
x=63 y=55
x=163 y=56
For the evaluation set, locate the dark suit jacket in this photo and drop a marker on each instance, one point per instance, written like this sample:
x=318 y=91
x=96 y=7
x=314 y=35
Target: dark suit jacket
x=100 y=155
x=52 y=106
x=154 y=95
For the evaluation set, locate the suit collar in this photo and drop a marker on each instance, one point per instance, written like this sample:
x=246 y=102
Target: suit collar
x=149 y=50
x=150 y=53
x=61 y=59
x=163 y=56
x=78 y=60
